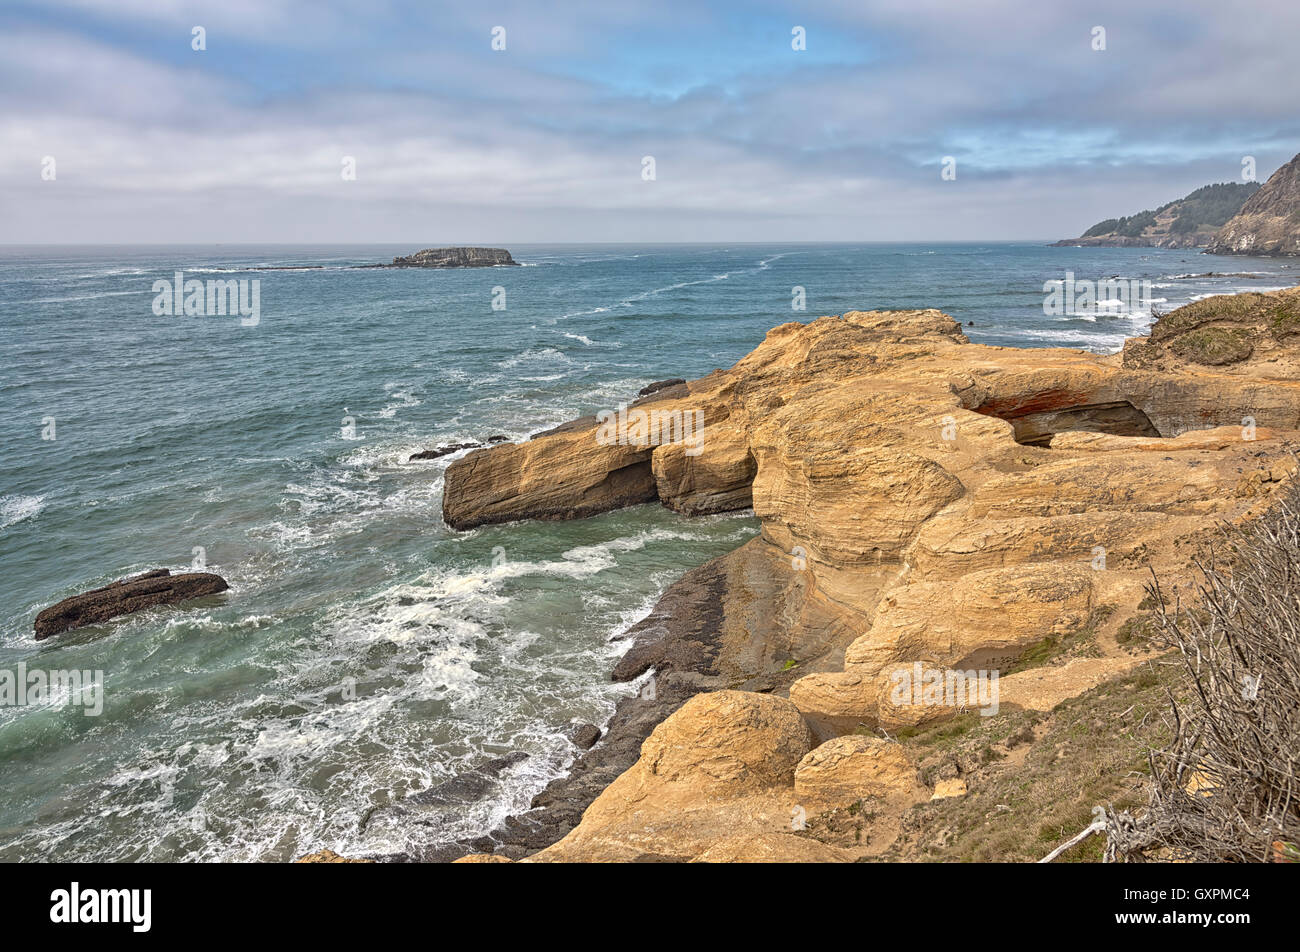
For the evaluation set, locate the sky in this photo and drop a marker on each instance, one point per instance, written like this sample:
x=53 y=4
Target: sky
x=115 y=129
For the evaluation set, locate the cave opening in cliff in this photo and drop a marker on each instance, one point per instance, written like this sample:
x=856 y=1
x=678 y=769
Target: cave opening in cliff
x=1117 y=418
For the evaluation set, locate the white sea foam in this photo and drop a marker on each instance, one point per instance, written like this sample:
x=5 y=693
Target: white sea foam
x=402 y=399
x=17 y=508
x=548 y=354
x=634 y=299
x=87 y=297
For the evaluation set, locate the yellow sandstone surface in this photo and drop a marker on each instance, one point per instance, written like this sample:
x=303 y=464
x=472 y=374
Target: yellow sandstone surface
x=923 y=500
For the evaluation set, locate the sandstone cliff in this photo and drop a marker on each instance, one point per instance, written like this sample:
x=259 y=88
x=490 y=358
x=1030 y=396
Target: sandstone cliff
x=1269 y=223
x=925 y=502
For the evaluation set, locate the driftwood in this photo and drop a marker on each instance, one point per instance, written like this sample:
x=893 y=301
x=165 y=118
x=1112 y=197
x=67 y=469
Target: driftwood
x=1096 y=826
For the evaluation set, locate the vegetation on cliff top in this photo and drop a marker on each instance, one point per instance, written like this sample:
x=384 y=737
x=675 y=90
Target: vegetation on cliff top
x=1199 y=214
x=1226 y=787
x=1208 y=205
x=1233 y=331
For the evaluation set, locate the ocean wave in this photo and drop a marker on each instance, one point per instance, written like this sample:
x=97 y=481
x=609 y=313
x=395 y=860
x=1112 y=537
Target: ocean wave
x=86 y=297
x=17 y=508
x=1096 y=342
x=544 y=354
x=402 y=400
x=631 y=300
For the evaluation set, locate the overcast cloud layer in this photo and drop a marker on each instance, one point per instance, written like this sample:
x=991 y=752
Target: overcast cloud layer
x=457 y=143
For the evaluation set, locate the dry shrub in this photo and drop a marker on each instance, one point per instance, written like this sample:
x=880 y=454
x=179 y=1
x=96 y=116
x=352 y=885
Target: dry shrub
x=1227 y=787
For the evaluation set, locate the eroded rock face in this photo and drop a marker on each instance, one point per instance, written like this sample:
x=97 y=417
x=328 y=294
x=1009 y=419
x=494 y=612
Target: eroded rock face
x=772 y=848
x=501 y=483
x=728 y=742
x=952 y=787
x=923 y=501
x=713 y=629
x=849 y=768
x=722 y=765
x=158 y=587
x=1269 y=222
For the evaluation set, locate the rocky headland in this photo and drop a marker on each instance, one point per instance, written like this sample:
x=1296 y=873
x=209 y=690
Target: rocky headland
x=926 y=504
x=1269 y=223
x=1189 y=222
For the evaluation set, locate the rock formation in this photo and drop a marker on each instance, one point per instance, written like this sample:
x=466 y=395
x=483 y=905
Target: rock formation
x=446 y=449
x=455 y=258
x=1269 y=223
x=158 y=587
x=1253 y=335
x=926 y=503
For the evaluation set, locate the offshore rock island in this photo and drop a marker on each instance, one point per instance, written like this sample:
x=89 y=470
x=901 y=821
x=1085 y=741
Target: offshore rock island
x=454 y=258
x=925 y=502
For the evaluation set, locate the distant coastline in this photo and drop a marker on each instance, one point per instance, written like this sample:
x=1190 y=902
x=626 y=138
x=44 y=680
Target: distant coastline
x=1189 y=222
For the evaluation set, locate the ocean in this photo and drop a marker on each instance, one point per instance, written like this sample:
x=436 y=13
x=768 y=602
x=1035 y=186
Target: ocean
x=365 y=651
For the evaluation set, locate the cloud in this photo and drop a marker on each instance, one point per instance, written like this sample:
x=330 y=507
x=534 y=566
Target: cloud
x=544 y=141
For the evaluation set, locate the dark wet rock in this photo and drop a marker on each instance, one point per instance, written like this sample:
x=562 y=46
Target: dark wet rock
x=685 y=622
x=498 y=439
x=660 y=385
x=158 y=587
x=442 y=450
x=585 y=736
x=470 y=786
x=714 y=628
x=455 y=258
x=428 y=807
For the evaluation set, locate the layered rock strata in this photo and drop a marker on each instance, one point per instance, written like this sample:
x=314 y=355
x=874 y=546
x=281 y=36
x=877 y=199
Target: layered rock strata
x=926 y=503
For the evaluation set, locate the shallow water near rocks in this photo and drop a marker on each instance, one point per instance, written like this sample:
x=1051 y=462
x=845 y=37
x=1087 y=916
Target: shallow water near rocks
x=364 y=651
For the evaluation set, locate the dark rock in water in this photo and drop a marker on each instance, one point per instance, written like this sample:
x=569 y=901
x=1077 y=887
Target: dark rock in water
x=127 y=595
x=585 y=736
x=470 y=786
x=659 y=385
x=425 y=807
x=683 y=640
x=442 y=451
x=456 y=258
x=682 y=636
x=498 y=439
